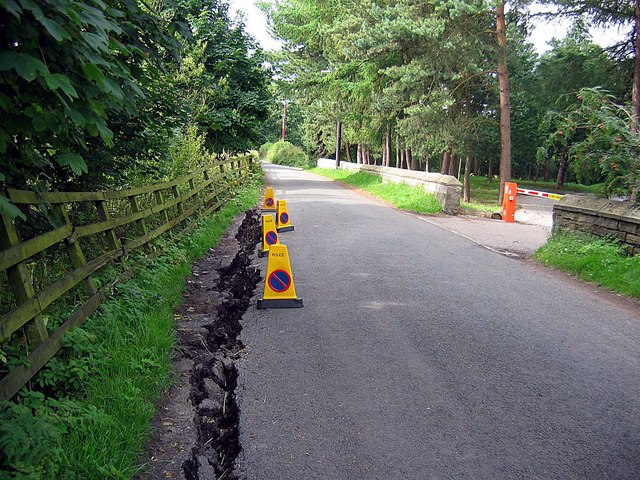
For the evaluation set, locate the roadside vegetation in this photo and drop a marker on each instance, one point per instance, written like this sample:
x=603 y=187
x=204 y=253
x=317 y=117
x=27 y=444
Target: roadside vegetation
x=594 y=260
x=92 y=421
x=405 y=197
x=284 y=153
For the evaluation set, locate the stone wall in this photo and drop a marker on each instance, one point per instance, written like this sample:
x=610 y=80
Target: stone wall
x=600 y=217
x=445 y=188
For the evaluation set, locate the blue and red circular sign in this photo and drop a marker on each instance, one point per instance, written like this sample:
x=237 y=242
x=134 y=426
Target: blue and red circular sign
x=269 y=202
x=284 y=218
x=271 y=237
x=279 y=281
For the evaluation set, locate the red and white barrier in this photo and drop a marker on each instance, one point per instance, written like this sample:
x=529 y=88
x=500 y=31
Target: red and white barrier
x=552 y=196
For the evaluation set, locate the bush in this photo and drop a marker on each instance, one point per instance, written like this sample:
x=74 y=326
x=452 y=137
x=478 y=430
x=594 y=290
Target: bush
x=285 y=153
x=264 y=150
x=187 y=152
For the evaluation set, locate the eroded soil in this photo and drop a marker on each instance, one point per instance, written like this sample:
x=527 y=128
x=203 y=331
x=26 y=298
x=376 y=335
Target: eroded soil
x=196 y=431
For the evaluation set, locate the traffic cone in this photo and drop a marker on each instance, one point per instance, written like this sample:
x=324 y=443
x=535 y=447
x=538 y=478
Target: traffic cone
x=283 y=221
x=269 y=203
x=269 y=235
x=279 y=288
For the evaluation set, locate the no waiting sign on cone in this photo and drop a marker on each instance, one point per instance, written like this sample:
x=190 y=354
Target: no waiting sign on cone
x=283 y=220
x=269 y=204
x=269 y=235
x=279 y=288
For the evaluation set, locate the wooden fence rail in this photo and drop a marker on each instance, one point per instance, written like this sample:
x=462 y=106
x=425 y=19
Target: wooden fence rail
x=110 y=225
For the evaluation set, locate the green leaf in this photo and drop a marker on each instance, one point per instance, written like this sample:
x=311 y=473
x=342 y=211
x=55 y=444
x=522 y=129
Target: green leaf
x=28 y=67
x=8 y=208
x=73 y=161
x=105 y=133
x=77 y=117
x=96 y=41
x=45 y=121
x=98 y=108
x=6 y=103
x=55 y=29
x=92 y=72
x=8 y=59
x=12 y=7
x=33 y=8
x=58 y=80
x=114 y=88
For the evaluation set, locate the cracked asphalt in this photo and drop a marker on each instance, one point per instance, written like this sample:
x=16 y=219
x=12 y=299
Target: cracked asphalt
x=420 y=354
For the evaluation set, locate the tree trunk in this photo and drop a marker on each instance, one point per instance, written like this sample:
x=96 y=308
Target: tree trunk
x=347 y=148
x=415 y=164
x=446 y=160
x=427 y=164
x=562 y=168
x=467 y=178
x=359 y=154
x=505 y=107
x=338 y=141
x=547 y=173
x=387 y=147
x=476 y=166
x=453 y=165
x=490 y=171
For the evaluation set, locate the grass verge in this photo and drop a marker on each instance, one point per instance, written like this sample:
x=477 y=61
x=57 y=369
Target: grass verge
x=117 y=365
x=594 y=260
x=403 y=196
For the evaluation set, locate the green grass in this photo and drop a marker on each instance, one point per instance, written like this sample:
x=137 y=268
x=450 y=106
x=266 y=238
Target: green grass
x=595 y=260
x=122 y=356
x=403 y=196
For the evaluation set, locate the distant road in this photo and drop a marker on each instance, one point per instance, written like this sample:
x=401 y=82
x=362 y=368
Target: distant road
x=421 y=355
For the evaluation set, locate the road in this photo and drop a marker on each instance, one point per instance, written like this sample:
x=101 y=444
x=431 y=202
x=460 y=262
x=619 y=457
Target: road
x=421 y=355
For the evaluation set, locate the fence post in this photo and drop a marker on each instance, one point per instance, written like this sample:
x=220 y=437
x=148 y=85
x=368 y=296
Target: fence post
x=113 y=242
x=140 y=224
x=21 y=284
x=174 y=190
x=77 y=256
x=160 y=200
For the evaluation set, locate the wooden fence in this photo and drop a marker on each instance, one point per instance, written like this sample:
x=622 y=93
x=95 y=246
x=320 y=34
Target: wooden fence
x=110 y=225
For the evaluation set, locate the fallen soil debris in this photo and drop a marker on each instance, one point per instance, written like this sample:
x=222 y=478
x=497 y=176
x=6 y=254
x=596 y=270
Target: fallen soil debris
x=196 y=433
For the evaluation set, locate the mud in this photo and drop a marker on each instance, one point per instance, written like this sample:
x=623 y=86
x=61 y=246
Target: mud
x=196 y=434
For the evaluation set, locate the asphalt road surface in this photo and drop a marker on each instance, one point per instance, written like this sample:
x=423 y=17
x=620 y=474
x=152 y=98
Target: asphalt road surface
x=421 y=355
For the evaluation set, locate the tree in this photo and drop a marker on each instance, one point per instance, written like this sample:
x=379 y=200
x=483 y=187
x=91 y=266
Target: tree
x=67 y=67
x=610 y=13
x=505 y=107
x=598 y=132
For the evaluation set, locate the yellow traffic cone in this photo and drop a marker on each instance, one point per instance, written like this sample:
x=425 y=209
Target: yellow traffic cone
x=279 y=288
x=269 y=235
x=269 y=204
x=283 y=221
